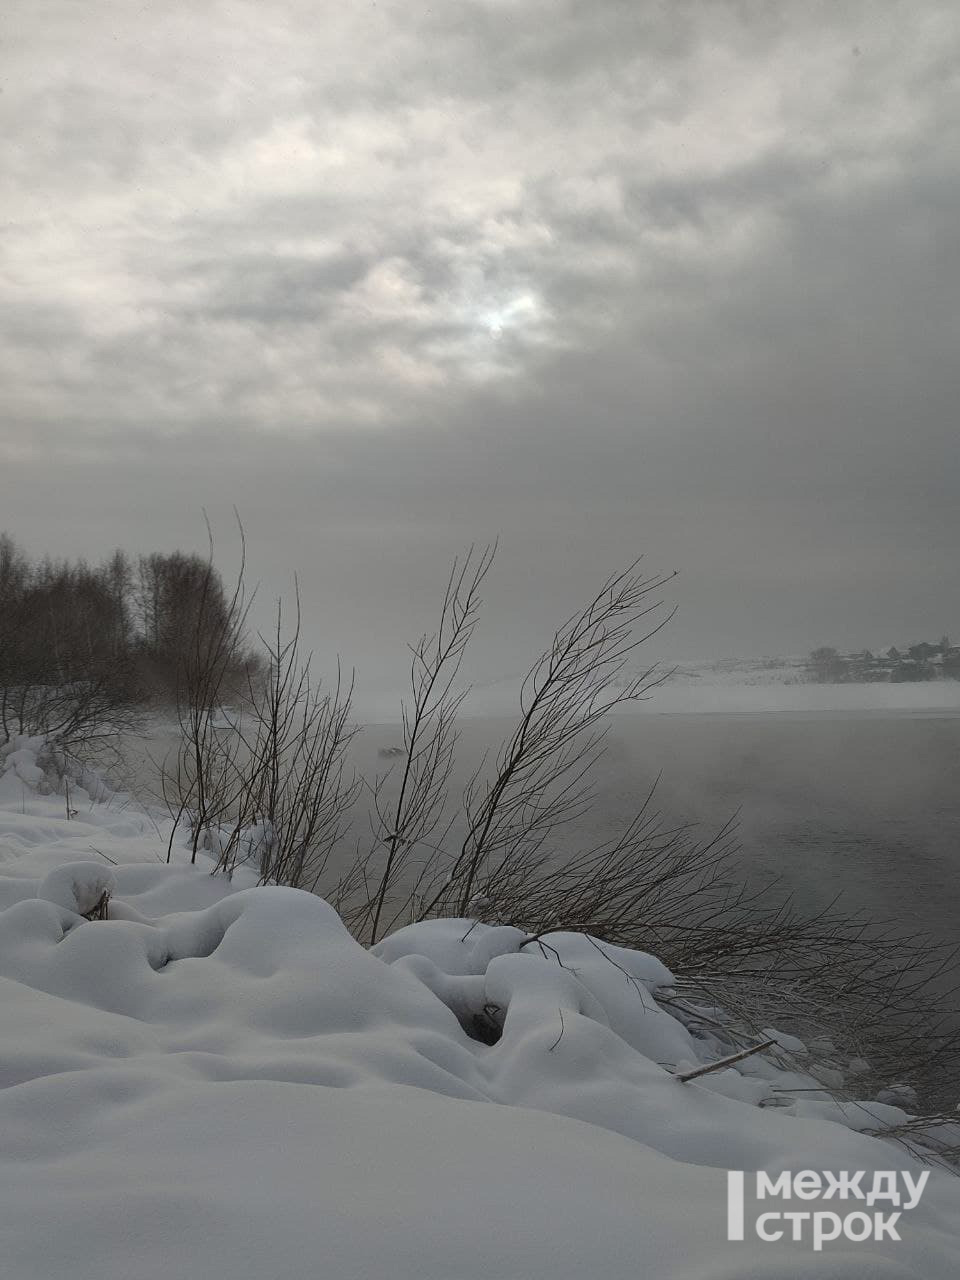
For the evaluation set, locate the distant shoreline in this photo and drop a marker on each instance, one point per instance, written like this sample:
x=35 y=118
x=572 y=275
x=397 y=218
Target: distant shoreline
x=702 y=697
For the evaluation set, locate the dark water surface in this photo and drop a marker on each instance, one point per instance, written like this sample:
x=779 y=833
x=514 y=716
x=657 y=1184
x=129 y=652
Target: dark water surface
x=863 y=805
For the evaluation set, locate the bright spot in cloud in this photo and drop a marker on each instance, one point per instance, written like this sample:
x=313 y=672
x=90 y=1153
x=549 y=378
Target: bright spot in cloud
x=518 y=313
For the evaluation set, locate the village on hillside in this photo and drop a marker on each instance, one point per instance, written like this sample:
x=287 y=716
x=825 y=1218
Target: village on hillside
x=923 y=661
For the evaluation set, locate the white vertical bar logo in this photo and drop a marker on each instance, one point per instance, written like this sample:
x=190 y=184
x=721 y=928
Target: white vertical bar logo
x=734 y=1204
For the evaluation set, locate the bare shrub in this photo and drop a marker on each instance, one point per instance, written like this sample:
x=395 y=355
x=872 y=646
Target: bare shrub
x=409 y=825
x=265 y=783
x=295 y=736
x=876 y=1006
x=207 y=784
x=542 y=778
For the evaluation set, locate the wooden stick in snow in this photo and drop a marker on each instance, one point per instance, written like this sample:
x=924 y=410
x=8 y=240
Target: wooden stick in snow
x=685 y=1076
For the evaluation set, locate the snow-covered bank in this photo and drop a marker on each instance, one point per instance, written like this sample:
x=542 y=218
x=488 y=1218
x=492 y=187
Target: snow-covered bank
x=218 y=1081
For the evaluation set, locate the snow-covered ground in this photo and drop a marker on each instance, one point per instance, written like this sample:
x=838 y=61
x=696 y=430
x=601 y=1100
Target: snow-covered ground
x=216 y=1080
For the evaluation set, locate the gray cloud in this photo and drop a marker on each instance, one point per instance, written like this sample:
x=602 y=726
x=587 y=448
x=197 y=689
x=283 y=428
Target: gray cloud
x=595 y=276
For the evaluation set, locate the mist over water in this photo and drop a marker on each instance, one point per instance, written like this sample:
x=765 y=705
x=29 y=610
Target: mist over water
x=864 y=806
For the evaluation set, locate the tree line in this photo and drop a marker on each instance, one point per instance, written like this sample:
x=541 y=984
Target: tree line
x=79 y=642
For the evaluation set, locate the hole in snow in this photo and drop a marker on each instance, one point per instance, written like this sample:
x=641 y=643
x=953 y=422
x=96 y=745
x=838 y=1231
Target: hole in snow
x=484 y=1026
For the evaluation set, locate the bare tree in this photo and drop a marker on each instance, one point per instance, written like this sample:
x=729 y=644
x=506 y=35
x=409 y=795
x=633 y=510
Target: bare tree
x=14 y=577
x=62 y=675
x=117 y=575
x=409 y=824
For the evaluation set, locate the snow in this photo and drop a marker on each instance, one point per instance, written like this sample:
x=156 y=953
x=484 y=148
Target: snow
x=218 y=1081
x=78 y=886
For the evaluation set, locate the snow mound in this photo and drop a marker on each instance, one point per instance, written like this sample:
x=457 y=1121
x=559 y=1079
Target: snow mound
x=217 y=1080
x=78 y=886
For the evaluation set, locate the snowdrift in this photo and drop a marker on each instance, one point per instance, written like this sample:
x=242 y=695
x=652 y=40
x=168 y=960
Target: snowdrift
x=216 y=1080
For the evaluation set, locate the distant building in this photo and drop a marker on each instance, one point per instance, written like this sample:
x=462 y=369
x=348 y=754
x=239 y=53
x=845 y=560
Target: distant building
x=921 y=661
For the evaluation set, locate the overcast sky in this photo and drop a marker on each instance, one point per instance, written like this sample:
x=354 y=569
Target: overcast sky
x=595 y=276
